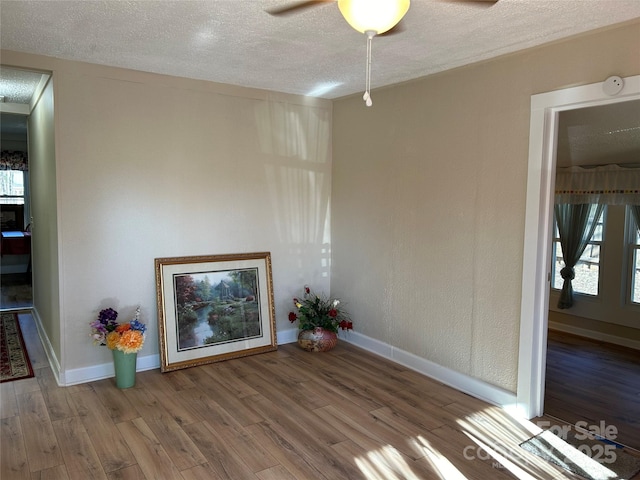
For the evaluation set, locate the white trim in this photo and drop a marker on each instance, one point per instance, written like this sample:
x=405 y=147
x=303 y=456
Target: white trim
x=17 y=108
x=287 y=336
x=106 y=370
x=37 y=93
x=452 y=378
x=46 y=345
x=545 y=108
x=603 y=337
x=459 y=381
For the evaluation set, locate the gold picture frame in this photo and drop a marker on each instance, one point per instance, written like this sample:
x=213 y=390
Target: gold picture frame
x=213 y=308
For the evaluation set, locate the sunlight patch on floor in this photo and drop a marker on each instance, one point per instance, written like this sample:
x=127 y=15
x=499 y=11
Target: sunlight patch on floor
x=566 y=453
x=487 y=439
x=440 y=464
x=498 y=434
x=385 y=464
x=502 y=459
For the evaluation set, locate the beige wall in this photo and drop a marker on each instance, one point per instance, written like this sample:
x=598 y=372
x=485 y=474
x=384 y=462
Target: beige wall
x=152 y=166
x=427 y=189
x=429 y=201
x=44 y=228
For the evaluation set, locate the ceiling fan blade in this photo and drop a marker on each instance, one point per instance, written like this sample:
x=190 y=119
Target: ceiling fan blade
x=293 y=8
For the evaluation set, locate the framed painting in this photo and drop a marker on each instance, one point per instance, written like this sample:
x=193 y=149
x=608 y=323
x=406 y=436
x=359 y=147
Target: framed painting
x=213 y=308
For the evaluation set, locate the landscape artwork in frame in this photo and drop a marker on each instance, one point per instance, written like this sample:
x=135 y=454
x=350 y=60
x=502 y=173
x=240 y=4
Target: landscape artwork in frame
x=213 y=308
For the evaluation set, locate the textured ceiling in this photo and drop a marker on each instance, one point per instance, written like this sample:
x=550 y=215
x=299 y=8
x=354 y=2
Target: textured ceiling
x=314 y=52
x=17 y=86
x=600 y=135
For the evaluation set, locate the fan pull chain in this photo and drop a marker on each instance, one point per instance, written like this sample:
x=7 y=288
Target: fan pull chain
x=367 y=95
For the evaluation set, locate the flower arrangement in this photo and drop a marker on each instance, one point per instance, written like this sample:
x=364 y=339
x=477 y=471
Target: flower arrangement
x=318 y=311
x=127 y=337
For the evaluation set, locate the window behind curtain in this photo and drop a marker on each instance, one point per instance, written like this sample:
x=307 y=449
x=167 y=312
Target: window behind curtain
x=587 y=270
x=11 y=187
x=635 y=255
x=12 y=199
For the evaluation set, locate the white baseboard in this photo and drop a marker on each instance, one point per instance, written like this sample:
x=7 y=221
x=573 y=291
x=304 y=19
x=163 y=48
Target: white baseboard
x=452 y=378
x=603 y=337
x=459 y=381
x=106 y=370
x=86 y=374
x=48 y=348
x=148 y=362
x=287 y=336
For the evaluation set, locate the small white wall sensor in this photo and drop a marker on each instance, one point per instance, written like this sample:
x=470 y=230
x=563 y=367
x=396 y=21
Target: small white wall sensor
x=612 y=85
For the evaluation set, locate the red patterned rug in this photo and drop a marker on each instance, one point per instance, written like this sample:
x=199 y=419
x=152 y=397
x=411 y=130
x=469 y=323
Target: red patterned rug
x=14 y=360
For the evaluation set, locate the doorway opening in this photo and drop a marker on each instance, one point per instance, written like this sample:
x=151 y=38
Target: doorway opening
x=20 y=91
x=593 y=343
x=15 y=246
x=545 y=110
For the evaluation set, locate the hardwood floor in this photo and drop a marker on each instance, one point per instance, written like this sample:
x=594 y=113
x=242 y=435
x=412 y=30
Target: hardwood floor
x=289 y=414
x=594 y=382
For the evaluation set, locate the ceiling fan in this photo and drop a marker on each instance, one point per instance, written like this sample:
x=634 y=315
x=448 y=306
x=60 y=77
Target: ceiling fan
x=371 y=17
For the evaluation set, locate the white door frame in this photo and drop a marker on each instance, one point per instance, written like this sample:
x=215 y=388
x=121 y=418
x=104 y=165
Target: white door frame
x=536 y=274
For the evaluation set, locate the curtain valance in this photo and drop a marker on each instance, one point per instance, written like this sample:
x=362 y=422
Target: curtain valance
x=610 y=185
x=14 y=160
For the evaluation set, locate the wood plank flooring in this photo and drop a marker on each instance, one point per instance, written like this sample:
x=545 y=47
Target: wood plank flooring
x=289 y=414
x=594 y=382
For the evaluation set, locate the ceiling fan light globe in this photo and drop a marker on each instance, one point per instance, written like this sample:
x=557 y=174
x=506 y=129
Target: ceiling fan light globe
x=373 y=15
